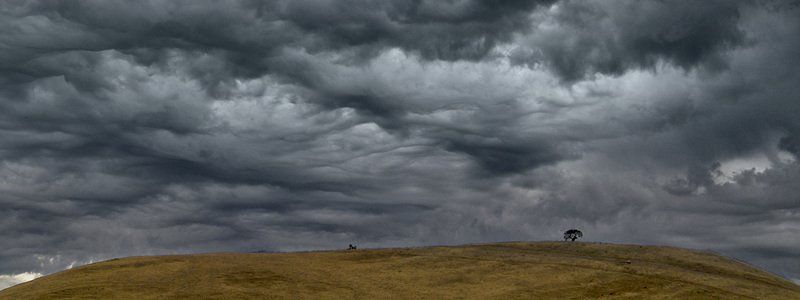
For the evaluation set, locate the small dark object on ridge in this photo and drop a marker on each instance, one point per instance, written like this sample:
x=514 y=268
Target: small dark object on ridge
x=351 y=247
x=572 y=234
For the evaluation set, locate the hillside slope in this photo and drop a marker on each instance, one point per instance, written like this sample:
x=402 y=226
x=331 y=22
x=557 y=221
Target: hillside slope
x=503 y=270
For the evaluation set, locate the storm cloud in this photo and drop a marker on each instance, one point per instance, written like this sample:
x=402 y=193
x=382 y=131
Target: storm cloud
x=155 y=127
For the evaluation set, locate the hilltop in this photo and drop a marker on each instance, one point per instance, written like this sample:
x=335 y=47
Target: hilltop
x=501 y=270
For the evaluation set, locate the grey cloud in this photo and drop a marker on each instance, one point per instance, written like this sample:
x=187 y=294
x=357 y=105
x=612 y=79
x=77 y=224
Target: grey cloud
x=248 y=31
x=790 y=144
x=501 y=157
x=580 y=38
x=434 y=29
x=696 y=177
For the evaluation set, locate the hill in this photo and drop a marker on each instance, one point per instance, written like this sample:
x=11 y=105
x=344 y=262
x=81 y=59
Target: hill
x=502 y=270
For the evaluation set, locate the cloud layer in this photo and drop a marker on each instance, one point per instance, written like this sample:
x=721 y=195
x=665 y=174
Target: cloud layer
x=151 y=127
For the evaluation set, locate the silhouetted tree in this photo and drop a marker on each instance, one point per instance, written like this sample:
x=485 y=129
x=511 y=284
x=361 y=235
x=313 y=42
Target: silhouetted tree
x=572 y=234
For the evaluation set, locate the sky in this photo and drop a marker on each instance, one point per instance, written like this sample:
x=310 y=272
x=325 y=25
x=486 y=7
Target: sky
x=162 y=126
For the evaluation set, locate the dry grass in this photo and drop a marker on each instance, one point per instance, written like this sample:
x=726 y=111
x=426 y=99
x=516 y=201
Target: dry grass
x=505 y=270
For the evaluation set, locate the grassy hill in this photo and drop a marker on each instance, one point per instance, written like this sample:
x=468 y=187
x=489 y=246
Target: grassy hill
x=503 y=270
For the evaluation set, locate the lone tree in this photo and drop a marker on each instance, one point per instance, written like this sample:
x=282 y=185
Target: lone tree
x=572 y=234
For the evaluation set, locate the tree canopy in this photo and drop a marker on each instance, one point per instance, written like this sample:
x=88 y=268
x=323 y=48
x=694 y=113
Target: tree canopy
x=572 y=234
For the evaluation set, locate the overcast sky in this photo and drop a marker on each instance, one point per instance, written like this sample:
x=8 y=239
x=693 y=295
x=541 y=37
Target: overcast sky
x=161 y=126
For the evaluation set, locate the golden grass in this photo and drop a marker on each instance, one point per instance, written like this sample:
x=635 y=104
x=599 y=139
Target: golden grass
x=500 y=271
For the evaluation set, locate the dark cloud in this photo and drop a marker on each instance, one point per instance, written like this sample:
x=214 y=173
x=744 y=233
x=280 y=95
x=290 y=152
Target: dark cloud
x=503 y=157
x=696 y=177
x=246 y=33
x=133 y=128
x=791 y=144
x=580 y=38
